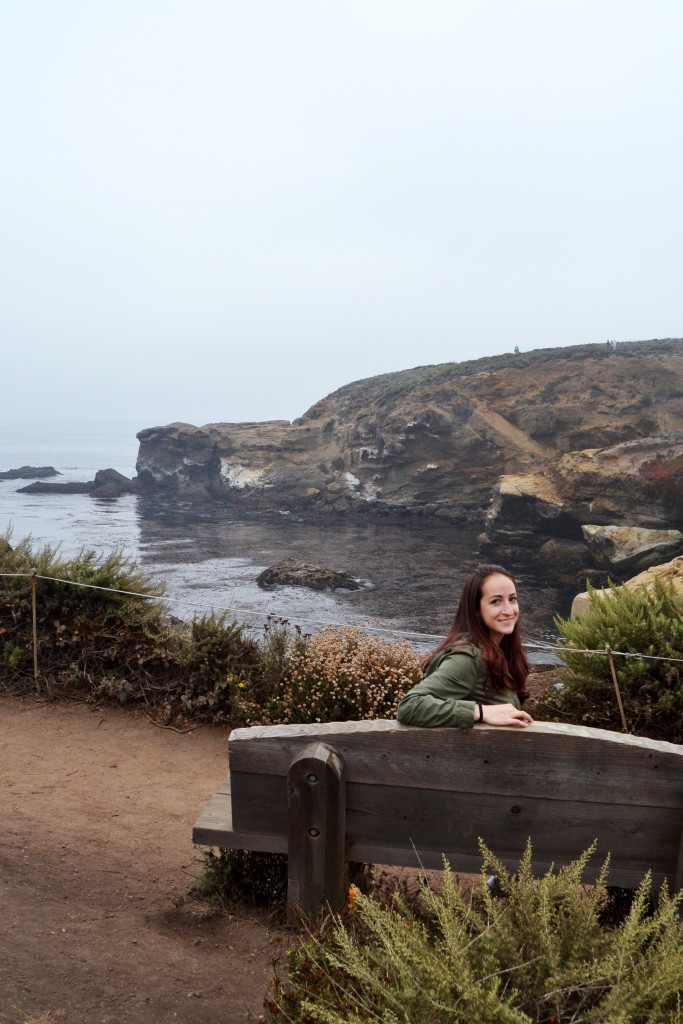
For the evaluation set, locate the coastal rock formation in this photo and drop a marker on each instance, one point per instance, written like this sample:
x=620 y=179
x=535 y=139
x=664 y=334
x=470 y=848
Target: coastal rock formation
x=631 y=547
x=668 y=572
x=29 y=473
x=74 y=487
x=291 y=572
x=108 y=483
x=527 y=510
x=436 y=439
x=590 y=498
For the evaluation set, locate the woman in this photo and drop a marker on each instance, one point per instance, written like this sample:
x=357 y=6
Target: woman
x=478 y=673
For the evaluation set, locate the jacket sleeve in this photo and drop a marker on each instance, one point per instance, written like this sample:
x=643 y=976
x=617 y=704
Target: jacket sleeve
x=446 y=697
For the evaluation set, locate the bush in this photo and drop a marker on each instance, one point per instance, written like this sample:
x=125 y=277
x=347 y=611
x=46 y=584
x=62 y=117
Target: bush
x=115 y=571
x=635 y=621
x=538 y=954
x=217 y=658
x=106 y=646
x=336 y=675
x=231 y=878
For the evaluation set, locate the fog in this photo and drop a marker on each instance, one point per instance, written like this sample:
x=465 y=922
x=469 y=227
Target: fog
x=226 y=210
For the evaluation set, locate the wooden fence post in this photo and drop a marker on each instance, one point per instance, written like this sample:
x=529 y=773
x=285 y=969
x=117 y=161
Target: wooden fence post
x=316 y=808
x=35 y=628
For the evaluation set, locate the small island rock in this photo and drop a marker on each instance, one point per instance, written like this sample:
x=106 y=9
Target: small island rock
x=293 y=573
x=29 y=473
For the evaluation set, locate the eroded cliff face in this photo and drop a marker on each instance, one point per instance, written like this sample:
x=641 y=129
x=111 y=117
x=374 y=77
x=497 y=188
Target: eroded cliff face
x=436 y=440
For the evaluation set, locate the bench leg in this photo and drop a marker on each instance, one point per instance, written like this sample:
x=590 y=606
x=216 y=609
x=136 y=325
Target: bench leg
x=316 y=821
x=678 y=882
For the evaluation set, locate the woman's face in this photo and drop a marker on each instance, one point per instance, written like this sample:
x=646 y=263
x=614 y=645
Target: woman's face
x=498 y=606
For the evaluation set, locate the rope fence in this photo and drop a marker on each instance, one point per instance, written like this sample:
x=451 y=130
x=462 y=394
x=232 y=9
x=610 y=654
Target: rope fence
x=537 y=644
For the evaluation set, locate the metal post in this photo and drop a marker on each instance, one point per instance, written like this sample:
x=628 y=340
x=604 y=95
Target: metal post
x=35 y=628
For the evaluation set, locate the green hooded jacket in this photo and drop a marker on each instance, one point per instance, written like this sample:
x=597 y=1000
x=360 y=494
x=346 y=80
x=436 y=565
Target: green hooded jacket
x=453 y=685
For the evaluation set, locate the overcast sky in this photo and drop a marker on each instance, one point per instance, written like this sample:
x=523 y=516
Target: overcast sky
x=226 y=209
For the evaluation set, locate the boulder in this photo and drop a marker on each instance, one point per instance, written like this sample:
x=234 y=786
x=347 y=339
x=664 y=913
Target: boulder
x=669 y=572
x=293 y=573
x=70 y=488
x=29 y=473
x=109 y=483
x=629 y=548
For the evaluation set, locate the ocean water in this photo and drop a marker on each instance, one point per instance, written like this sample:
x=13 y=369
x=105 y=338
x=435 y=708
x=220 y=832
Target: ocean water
x=208 y=556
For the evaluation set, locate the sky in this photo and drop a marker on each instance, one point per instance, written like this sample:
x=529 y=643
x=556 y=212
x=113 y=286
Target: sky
x=223 y=210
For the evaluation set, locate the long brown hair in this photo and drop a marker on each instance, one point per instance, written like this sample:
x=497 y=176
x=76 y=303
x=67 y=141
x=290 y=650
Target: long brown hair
x=467 y=627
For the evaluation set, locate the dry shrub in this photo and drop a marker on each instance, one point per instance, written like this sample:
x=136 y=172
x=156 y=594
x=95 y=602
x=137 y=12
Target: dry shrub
x=337 y=675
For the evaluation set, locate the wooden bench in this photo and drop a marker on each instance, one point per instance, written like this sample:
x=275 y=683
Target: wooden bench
x=384 y=793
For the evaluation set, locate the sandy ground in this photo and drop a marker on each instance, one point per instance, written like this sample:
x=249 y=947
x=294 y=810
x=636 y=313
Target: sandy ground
x=97 y=807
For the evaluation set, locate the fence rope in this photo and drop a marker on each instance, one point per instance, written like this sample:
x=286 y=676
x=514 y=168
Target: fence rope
x=540 y=644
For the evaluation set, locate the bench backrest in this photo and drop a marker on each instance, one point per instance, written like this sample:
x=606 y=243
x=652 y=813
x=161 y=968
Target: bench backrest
x=414 y=795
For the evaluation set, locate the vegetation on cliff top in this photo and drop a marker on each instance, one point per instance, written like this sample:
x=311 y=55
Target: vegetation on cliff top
x=388 y=386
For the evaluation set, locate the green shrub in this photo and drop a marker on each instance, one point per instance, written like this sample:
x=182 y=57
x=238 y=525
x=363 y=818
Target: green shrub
x=113 y=571
x=105 y=646
x=538 y=954
x=231 y=878
x=217 y=658
x=334 y=676
x=634 y=621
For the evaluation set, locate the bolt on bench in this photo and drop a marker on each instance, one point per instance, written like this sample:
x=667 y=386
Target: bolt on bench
x=385 y=793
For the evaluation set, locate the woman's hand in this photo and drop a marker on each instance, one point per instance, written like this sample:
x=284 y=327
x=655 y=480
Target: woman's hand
x=505 y=714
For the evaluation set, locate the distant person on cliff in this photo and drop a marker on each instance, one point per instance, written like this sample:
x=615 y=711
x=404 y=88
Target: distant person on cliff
x=478 y=672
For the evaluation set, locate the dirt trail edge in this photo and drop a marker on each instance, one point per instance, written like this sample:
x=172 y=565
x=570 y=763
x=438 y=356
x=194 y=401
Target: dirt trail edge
x=97 y=807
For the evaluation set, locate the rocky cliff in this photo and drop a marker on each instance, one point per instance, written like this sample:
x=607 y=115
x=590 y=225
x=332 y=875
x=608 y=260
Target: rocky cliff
x=438 y=440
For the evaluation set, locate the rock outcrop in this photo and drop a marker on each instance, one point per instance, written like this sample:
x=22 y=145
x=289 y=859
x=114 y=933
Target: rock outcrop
x=108 y=483
x=29 y=473
x=294 y=573
x=669 y=572
x=629 y=548
x=73 y=487
x=435 y=440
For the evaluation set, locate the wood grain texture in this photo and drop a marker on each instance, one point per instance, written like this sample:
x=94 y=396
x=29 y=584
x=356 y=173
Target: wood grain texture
x=602 y=766
x=316 y=832
x=414 y=795
x=451 y=823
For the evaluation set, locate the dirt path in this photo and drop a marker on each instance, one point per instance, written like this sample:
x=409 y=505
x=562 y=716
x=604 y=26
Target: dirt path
x=97 y=808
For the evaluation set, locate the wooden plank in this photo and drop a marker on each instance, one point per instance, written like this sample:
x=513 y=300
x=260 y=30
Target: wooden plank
x=601 y=766
x=214 y=828
x=373 y=853
x=396 y=817
x=326 y=731
x=316 y=832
